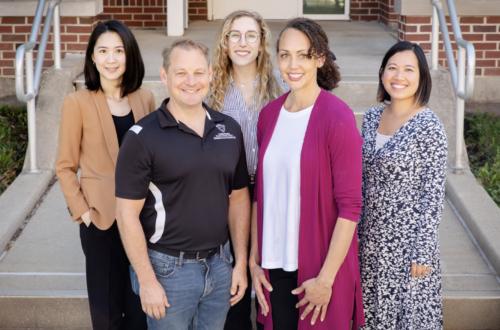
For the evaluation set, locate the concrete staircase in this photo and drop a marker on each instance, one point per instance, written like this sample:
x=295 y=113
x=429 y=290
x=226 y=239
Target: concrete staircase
x=42 y=282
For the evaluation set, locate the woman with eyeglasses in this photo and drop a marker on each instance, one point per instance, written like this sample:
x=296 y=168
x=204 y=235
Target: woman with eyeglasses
x=304 y=255
x=243 y=82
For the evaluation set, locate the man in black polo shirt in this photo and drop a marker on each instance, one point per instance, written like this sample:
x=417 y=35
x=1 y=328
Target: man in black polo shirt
x=181 y=181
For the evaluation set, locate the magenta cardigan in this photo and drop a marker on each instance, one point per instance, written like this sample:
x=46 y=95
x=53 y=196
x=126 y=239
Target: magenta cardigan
x=330 y=187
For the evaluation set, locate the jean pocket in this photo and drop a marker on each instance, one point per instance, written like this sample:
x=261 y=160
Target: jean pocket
x=163 y=267
x=227 y=256
x=134 y=281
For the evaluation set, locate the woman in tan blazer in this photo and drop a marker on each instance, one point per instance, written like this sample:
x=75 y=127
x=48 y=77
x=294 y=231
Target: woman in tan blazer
x=92 y=126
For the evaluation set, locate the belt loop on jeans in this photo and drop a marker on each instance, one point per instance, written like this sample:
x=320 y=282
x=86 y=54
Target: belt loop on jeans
x=181 y=259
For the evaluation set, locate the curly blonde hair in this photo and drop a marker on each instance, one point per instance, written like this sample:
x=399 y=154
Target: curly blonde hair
x=267 y=86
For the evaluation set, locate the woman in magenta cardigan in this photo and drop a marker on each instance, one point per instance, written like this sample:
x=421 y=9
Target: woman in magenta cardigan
x=304 y=256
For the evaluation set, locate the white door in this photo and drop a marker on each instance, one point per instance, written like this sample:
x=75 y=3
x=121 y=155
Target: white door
x=282 y=9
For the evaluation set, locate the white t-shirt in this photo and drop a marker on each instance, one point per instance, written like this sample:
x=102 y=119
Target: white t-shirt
x=281 y=212
x=380 y=140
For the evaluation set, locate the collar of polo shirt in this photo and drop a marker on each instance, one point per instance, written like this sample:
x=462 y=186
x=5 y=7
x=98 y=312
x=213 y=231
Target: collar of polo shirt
x=168 y=120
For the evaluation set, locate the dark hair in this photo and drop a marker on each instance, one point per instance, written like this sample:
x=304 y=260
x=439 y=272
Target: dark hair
x=134 y=66
x=423 y=92
x=328 y=75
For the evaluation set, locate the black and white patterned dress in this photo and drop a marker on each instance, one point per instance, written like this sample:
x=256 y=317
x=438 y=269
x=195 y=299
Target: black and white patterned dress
x=403 y=196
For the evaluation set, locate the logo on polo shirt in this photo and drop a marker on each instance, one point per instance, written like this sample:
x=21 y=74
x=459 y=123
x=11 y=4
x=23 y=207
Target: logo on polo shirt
x=221 y=127
x=222 y=135
x=136 y=129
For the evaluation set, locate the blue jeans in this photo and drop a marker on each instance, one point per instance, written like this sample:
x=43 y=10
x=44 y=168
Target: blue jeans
x=198 y=290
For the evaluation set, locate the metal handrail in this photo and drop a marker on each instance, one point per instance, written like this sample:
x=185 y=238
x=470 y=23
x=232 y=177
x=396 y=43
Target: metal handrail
x=24 y=53
x=461 y=77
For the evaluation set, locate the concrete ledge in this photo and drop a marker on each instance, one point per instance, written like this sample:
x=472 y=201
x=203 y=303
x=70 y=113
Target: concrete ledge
x=50 y=312
x=486 y=89
x=22 y=195
x=54 y=87
x=18 y=200
x=7 y=86
x=68 y=7
x=457 y=313
x=464 y=7
x=479 y=212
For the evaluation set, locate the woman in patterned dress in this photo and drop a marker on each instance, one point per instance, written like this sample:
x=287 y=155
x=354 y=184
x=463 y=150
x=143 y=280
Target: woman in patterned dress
x=404 y=169
x=243 y=82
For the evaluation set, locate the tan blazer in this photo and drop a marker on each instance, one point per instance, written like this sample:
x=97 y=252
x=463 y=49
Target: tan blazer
x=87 y=141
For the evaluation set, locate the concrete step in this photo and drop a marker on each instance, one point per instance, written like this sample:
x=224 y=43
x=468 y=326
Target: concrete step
x=42 y=276
x=42 y=282
x=359 y=92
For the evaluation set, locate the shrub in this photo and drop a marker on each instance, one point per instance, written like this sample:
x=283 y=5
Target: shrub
x=482 y=136
x=13 y=142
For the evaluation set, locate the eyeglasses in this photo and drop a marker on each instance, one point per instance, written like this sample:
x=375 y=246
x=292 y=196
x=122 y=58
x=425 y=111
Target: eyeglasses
x=250 y=36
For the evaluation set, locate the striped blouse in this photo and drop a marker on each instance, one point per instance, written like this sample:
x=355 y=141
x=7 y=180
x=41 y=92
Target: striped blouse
x=247 y=116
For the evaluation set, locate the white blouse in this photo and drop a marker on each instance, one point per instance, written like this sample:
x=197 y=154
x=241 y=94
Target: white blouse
x=282 y=191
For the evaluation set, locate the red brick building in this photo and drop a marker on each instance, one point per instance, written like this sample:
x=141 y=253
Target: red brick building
x=409 y=19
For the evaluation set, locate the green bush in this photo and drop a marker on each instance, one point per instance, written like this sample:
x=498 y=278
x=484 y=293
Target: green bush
x=13 y=141
x=482 y=136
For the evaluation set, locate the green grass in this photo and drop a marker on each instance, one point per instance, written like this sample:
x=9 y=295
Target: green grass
x=482 y=136
x=13 y=141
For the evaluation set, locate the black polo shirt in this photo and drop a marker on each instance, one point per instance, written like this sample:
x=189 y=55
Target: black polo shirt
x=185 y=179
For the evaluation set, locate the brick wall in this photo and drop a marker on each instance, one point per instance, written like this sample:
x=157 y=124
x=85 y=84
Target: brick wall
x=75 y=31
x=374 y=10
x=483 y=32
x=387 y=14
x=197 y=10
x=136 y=13
x=148 y=13
x=365 y=10
x=15 y=31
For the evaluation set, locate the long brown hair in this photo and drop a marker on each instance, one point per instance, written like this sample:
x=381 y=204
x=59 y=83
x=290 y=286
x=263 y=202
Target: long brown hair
x=267 y=86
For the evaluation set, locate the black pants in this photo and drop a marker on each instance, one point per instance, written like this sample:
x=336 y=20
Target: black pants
x=285 y=315
x=112 y=303
x=239 y=315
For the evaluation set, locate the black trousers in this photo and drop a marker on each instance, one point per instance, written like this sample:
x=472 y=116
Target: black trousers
x=112 y=303
x=285 y=315
x=239 y=315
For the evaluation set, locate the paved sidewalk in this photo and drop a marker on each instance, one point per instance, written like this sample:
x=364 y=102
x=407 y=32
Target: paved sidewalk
x=46 y=261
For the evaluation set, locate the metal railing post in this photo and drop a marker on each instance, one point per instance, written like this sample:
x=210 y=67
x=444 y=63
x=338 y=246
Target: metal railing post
x=459 y=143
x=462 y=74
x=435 y=40
x=31 y=112
x=57 y=38
x=29 y=73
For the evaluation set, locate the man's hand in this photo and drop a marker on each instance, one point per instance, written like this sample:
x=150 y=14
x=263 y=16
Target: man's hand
x=239 y=283
x=153 y=299
x=317 y=297
x=259 y=280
